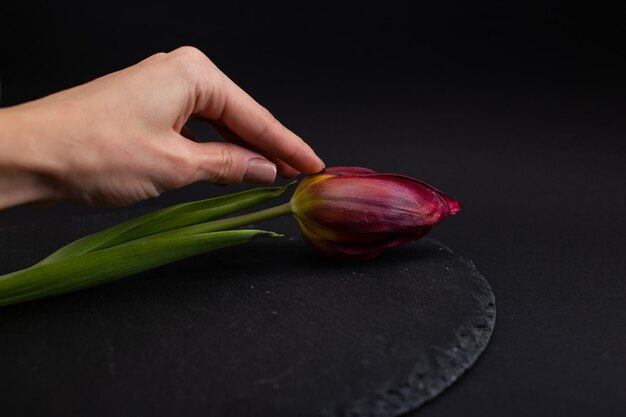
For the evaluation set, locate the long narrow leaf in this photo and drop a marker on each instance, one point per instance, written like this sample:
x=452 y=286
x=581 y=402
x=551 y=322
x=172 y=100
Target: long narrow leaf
x=167 y=219
x=226 y=223
x=100 y=266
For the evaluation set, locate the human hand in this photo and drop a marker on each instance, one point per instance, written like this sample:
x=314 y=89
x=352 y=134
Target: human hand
x=122 y=138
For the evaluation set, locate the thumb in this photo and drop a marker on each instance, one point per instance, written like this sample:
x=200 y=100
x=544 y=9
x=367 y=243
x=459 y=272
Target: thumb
x=227 y=163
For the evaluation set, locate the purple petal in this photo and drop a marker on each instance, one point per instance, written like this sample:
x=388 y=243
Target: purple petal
x=344 y=252
x=375 y=203
x=348 y=171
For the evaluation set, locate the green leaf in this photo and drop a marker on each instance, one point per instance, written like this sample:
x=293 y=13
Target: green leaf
x=169 y=218
x=104 y=265
x=227 y=223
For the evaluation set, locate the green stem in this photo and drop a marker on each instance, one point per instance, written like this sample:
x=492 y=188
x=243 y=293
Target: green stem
x=226 y=224
x=245 y=219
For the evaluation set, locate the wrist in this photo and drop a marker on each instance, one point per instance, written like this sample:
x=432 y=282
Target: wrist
x=23 y=170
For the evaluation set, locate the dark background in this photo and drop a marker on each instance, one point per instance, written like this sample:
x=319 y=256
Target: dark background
x=515 y=108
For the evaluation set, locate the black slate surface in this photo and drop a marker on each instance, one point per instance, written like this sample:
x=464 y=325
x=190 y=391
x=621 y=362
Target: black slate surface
x=516 y=109
x=267 y=329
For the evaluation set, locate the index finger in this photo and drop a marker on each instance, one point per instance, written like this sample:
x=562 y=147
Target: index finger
x=253 y=123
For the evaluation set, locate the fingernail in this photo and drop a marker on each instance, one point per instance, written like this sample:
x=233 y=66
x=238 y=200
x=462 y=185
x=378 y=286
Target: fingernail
x=260 y=171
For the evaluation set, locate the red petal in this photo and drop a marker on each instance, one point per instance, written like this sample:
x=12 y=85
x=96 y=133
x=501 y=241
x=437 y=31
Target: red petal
x=453 y=205
x=339 y=251
x=374 y=203
x=348 y=171
x=356 y=252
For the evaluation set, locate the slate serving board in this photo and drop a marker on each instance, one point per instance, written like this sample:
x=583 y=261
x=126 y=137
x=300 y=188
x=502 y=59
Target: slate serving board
x=265 y=329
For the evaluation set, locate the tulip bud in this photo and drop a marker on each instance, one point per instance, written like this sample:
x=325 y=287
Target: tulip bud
x=354 y=213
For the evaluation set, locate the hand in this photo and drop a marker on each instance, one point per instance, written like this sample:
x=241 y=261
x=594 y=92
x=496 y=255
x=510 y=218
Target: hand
x=122 y=138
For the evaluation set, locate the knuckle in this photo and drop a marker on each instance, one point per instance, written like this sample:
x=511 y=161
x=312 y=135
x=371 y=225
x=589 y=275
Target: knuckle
x=187 y=50
x=269 y=117
x=269 y=126
x=226 y=170
x=293 y=154
x=191 y=54
x=193 y=64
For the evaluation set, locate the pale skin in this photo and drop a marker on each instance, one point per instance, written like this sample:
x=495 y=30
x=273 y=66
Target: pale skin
x=122 y=138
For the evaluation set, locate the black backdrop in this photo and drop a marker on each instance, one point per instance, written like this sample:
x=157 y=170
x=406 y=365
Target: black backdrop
x=515 y=108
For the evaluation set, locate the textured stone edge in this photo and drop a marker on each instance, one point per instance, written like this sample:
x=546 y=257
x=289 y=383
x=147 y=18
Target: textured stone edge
x=472 y=339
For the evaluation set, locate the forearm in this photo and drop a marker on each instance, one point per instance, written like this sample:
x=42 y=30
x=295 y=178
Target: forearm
x=23 y=177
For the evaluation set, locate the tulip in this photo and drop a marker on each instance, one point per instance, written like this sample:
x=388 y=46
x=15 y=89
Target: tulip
x=353 y=213
x=347 y=213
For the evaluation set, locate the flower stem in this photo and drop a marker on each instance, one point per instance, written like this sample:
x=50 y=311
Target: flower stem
x=225 y=224
x=257 y=216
